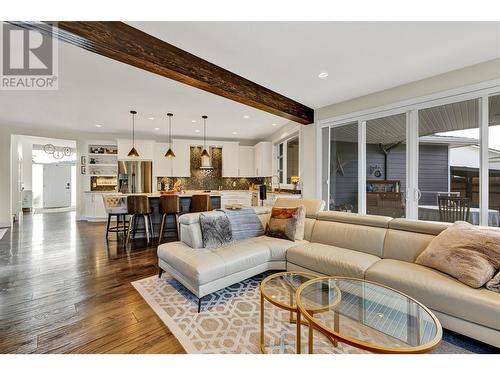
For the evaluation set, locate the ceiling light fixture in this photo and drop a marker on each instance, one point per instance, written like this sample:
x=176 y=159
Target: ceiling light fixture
x=98 y=125
x=204 y=153
x=133 y=152
x=273 y=124
x=197 y=131
x=246 y=116
x=234 y=133
x=323 y=75
x=151 y=118
x=157 y=128
x=193 y=120
x=170 y=153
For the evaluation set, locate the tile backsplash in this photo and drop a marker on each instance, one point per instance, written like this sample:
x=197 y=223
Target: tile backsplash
x=210 y=179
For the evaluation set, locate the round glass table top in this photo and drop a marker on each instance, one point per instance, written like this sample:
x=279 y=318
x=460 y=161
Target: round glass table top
x=280 y=288
x=368 y=315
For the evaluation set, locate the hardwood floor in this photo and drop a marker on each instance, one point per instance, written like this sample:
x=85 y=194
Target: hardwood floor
x=64 y=290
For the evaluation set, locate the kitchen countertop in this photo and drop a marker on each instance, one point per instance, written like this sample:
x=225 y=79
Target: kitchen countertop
x=189 y=193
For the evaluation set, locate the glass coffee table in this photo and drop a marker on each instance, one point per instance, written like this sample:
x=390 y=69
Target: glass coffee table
x=366 y=315
x=280 y=290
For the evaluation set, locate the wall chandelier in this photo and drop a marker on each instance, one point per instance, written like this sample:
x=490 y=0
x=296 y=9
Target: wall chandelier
x=57 y=152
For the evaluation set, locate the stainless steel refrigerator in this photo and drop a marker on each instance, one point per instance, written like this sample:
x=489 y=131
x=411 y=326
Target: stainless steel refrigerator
x=135 y=176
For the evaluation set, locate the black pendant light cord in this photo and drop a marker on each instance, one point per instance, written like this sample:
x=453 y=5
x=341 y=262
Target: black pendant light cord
x=204 y=132
x=133 y=127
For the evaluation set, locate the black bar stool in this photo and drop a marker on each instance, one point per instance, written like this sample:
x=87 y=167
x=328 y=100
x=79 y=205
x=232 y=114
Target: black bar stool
x=138 y=205
x=200 y=203
x=116 y=206
x=169 y=205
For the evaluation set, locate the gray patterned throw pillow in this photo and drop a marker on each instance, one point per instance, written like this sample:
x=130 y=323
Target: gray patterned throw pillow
x=215 y=230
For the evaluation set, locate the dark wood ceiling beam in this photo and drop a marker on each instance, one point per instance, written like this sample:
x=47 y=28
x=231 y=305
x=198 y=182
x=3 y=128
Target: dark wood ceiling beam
x=124 y=43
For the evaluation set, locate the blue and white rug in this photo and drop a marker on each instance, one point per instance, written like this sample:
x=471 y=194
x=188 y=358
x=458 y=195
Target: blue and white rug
x=230 y=321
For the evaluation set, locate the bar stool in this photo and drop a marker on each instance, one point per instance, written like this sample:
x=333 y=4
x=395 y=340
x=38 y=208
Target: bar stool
x=116 y=206
x=200 y=203
x=169 y=205
x=138 y=205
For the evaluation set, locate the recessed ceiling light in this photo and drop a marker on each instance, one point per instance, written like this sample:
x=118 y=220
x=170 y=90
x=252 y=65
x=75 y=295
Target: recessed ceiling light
x=193 y=120
x=246 y=116
x=157 y=128
x=98 y=125
x=234 y=133
x=151 y=118
x=323 y=75
x=273 y=124
x=197 y=131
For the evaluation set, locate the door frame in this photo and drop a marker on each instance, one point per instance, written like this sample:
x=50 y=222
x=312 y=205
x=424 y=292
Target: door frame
x=481 y=91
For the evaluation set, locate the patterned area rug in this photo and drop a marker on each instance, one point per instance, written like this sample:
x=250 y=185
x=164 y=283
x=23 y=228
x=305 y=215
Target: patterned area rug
x=230 y=321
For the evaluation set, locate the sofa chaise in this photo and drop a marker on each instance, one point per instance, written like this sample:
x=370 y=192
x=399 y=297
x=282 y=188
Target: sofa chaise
x=375 y=248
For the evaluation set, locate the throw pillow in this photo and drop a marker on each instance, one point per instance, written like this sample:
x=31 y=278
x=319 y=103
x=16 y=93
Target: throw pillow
x=468 y=253
x=215 y=230
x=494 y=284
x=287 y=223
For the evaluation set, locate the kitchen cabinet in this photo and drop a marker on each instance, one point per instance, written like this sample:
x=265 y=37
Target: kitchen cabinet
x=145 y=148
x=230 y=159
x=181 y=164
x=263 y=164
x=94 y=207
x=162 y=166
x=246 y=161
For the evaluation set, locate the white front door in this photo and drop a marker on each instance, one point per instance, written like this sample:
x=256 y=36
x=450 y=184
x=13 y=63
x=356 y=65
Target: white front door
x=56 y=186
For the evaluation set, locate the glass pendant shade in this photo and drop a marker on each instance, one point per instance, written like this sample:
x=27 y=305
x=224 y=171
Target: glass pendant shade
x=205 y=154
x=133 y=152
x=169 y=154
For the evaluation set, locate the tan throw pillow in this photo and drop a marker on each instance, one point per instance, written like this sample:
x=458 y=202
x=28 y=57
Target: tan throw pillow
x=468 y=253
x=287 y=223
x=494 y=284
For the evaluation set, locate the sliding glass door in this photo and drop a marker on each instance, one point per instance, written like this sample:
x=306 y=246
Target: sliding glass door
x=386 y=166
x=449 y=161
x=436 y=160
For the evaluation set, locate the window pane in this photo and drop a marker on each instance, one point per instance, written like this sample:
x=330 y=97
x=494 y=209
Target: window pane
x=494 y=161
x=448 y=175
x=292 y=160
x=344 y=168
x=386 y=166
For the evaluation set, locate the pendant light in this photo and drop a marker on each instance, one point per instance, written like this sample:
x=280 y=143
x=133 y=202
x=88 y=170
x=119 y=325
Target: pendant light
x=133 y=152
x=204 y=153
x=170 y=153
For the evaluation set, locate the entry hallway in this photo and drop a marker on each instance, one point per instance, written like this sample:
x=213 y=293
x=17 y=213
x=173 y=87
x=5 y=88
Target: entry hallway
x=64 y=290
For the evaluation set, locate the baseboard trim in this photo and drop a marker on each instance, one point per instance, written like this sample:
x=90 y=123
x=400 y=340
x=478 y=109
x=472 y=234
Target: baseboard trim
x=5 y=224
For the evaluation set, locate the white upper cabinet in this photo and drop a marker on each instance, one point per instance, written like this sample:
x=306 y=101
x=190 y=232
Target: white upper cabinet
x=181 y=164
x=263 y=163
x=162 y=166
x=246 y=161
x=230 y=159
x=144 y=148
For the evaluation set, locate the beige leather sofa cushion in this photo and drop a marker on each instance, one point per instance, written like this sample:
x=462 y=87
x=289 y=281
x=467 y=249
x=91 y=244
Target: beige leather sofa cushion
x=418 y=226
x=313 y=206
x=331 y=260
x=278 y=246
x=406 y=246
x=362 y=238
x=201 y=266
x=438 y=291
x=350 y=218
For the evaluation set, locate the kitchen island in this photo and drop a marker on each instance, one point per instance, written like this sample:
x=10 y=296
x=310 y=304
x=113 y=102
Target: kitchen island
x=185 y=202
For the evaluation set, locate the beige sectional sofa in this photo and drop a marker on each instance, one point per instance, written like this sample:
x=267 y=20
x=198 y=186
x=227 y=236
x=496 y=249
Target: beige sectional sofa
x=375 y=248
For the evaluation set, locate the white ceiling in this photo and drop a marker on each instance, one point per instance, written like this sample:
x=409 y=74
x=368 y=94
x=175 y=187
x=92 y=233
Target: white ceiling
x=284 y=56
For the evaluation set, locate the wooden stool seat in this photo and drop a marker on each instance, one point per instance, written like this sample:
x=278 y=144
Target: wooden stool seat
x=116 y=206
x=138 y=206
x=200 y=203
x=169 y=205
